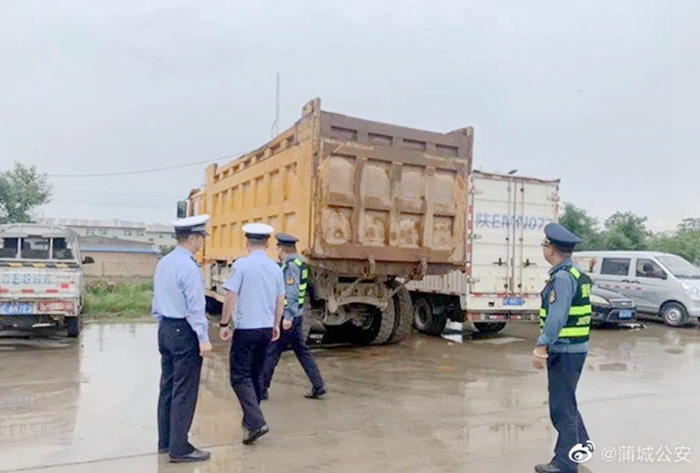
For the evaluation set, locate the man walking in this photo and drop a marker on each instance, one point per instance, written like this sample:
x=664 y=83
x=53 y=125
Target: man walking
x=565 y=321
x=255 y=291
x=183 y=339
x=296 y=276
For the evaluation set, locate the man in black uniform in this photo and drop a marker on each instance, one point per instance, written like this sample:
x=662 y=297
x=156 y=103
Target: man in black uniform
x=565 y=321
x=296 y=277
x=183 y=339
x=255 y=294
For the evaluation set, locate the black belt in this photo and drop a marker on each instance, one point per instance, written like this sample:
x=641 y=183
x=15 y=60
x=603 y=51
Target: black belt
x=173 y=320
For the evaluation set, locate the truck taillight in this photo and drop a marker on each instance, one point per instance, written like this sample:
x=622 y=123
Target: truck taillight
x=56 y=306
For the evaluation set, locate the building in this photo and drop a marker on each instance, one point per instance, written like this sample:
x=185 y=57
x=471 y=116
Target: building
x=163 y=236
x=118 y=258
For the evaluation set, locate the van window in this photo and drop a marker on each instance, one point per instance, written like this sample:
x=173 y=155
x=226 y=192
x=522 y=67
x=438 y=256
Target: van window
x=615 y=266
x=679 y=267
x=585 y=263
x=647 y=268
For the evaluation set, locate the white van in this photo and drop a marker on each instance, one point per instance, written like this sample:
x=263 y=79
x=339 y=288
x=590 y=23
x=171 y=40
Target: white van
x=662 y=284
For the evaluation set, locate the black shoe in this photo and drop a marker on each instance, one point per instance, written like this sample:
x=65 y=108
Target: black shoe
x=256 y=434
x=550 y=468
x=163 y=450
x=195 y=456
x=316 y=393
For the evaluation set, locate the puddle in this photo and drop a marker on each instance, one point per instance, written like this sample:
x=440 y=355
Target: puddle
x=613 y=367
x=500 y=340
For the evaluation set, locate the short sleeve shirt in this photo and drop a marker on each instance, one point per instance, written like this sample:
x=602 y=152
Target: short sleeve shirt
x=258 y=281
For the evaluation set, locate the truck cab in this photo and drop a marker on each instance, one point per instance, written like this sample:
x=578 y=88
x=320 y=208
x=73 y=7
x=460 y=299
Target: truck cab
x=41 y=277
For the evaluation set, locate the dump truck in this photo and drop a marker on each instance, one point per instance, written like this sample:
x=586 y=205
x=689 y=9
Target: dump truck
x=372 y=204
x=506 y=269
x=41 y=277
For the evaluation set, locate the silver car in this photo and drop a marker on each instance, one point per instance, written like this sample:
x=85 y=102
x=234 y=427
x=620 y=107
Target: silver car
x=661 y=284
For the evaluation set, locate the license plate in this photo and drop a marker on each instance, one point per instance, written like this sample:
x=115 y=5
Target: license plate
x=16 y=308
x=513 y=301
x=625 y=314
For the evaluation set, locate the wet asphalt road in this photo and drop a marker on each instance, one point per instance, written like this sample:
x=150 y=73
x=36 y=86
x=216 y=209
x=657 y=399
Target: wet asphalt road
x=426 y=405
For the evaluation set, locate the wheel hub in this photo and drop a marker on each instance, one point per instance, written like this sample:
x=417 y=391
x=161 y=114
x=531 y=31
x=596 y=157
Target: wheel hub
x=674 y=315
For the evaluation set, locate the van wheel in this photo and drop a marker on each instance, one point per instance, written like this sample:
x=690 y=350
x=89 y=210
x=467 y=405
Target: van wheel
x=425 y=319
x=73 y=326
x=674 y=314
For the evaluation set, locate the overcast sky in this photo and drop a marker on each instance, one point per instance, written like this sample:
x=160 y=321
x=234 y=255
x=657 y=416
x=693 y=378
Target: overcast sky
x=603 y=95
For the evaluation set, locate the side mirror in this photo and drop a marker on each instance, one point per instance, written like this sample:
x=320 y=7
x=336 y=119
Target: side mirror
x=88 y=260
x=664 y=276
x=182 y=209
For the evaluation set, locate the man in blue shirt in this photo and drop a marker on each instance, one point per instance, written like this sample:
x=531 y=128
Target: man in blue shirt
x=565 y=321
x=183 y=339
x=296 y=277
x=255 y=291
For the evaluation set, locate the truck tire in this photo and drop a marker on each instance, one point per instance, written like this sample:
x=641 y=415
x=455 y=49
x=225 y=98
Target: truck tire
x=212 y=306
x=73 y=326
x=489 y=327
x=674 y=314
x=306 y=321
x=380 y=328
x=404 y=315
x=425 y=318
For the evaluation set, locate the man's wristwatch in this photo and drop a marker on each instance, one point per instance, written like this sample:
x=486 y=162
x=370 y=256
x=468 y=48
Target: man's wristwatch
x=224 y=325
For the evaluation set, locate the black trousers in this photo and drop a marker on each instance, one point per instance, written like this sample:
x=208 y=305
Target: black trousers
x=294 y=339
x=248 y=349
x=181 y=366
x=563 y=373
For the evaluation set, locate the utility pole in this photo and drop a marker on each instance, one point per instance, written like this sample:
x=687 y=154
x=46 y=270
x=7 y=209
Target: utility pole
x=276 y=123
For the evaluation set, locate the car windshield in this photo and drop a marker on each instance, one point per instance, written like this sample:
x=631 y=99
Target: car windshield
x=679 y=267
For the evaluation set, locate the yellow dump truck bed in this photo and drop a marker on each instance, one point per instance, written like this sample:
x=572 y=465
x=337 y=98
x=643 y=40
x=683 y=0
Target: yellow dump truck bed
x=363 y=197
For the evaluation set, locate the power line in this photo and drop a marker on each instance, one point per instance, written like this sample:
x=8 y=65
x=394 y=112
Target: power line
x=146 y=171
x=121 y=205
x=121 y=194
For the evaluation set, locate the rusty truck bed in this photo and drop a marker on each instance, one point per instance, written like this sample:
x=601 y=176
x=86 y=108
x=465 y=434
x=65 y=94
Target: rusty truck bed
x=362 y=196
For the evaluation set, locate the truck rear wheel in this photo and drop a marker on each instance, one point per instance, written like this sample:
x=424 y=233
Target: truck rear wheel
x=489 y=327
x=380 y=326
x=73 y=326
x=425 y=318
x=404 y=315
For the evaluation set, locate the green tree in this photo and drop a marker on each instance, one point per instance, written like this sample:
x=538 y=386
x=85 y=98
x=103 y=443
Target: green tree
x=689 y=224
x=22 y=189
x=579 y=222
x=626 y=231
x=685 y=241
x=164 y=250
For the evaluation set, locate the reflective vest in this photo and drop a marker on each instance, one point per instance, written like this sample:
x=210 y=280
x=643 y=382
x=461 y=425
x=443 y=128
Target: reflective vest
x=303 y=281
x=578 y=326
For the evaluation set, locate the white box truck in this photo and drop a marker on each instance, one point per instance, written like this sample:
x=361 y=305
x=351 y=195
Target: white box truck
x=506 y=269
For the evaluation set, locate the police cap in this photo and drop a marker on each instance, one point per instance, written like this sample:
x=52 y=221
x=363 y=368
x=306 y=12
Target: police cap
x=191 y=225
x=561 y=238
x=285 y=239
x=257 y=231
